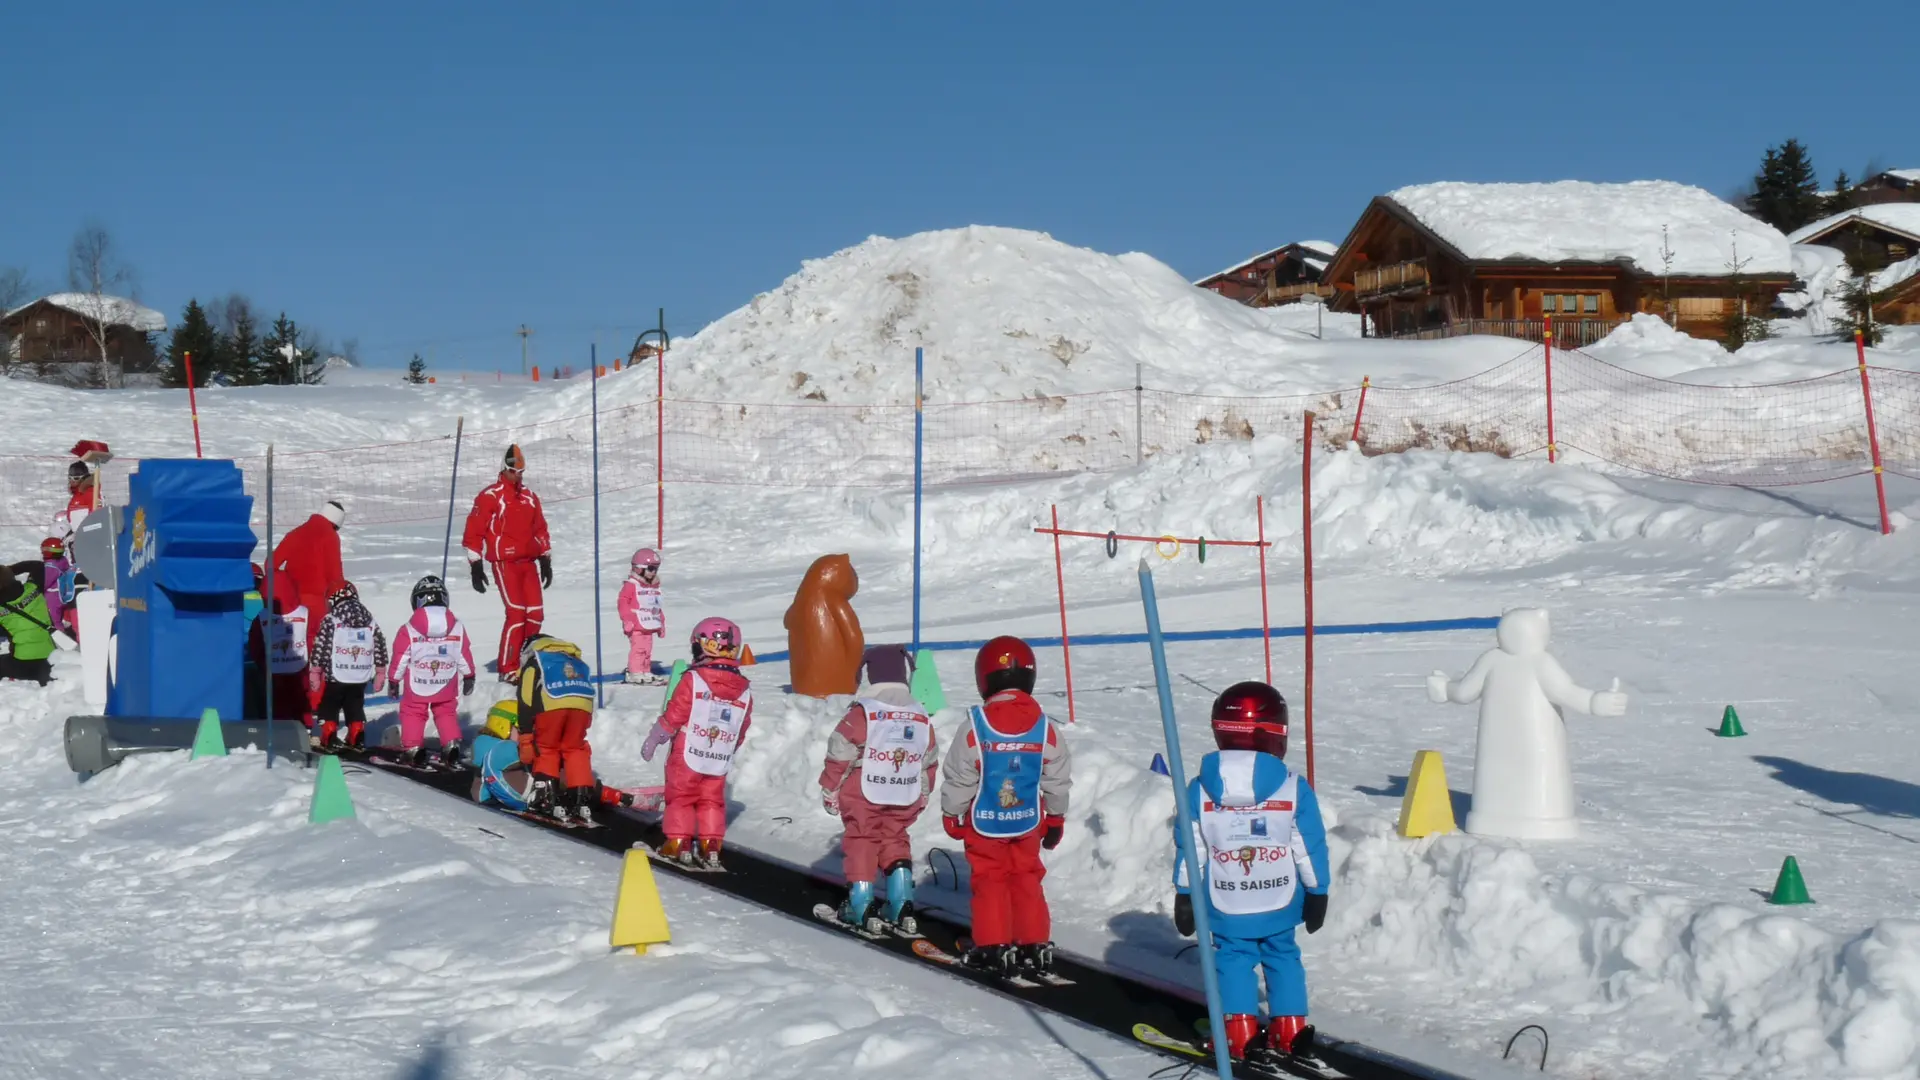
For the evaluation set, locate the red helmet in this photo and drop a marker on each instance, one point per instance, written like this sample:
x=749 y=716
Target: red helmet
x=1005 y=663
x=52 y=548
x=1251 y=716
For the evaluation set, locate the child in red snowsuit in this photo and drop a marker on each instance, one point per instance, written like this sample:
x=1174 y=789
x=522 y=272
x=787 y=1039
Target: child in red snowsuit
x=880 y=769
x=642 y=617
x=1005 y=797
x=706 y=721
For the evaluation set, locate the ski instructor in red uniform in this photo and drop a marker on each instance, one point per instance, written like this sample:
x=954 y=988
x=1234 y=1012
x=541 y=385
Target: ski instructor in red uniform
x=507 y=530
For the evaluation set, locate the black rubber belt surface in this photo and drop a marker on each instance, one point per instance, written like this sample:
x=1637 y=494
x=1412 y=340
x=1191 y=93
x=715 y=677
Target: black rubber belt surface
x=1098 y=998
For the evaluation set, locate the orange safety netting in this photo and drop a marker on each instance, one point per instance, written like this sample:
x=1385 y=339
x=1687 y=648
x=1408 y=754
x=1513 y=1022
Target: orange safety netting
x=1799 y=432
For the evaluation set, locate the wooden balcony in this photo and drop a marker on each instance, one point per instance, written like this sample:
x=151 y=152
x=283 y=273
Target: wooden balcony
x=1275 y=295
x=1409 y=276
x=1568 y=333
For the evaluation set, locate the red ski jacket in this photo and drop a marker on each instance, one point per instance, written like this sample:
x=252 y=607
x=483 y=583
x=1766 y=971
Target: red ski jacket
x=307 y=562
x=506 y=524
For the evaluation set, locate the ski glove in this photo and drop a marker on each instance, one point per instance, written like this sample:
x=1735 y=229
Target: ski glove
x=1183 y=914
x=546 y=571
x=479 y=577
x=1056 y=827
x=655 y=739
x=1315 y=911
x=830 y=800
x=956 y=827
x=466 y=685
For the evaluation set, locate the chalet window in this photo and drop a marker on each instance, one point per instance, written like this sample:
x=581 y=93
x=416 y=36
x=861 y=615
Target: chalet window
x=1590 y=303
x=1570 y=303
x=1701 y=307
x=1896 y=252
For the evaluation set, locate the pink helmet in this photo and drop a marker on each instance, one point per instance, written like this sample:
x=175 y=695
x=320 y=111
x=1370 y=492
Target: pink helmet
x=646 y=559
x=716 y=641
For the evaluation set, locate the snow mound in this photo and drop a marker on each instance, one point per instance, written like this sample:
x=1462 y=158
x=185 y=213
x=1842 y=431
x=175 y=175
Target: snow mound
x=1577 y=221
x=1646 y=344
x=1002 y=313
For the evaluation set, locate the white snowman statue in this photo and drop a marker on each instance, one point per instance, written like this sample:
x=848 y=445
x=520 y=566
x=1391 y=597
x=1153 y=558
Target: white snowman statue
x=1522 y=774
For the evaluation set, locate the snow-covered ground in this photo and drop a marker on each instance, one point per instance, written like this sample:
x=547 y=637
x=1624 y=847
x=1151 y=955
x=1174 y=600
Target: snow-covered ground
x=1644 y=947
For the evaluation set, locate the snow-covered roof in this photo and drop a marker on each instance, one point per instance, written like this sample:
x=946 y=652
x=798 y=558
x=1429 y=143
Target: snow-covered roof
x=1577 y=221
x=1911 y=176
x=111 y=310
x=1904 y=270
x=1311 y=245
x=1903 y=218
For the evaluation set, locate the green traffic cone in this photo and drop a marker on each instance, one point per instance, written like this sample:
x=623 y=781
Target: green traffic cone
x=208 y=739
x=331 y=801
x=1790 y=887
x=1730 y=725
x=926 y=683
x=673 y=679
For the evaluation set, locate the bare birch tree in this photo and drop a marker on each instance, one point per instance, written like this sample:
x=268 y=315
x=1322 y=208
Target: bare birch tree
x=95 y=271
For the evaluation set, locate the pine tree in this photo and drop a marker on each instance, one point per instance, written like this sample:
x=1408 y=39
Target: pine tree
x=416 y=370
x=281 y=355
x=239 y=352
x=1842 y=199
x=1785 y=194
x=195 y=335
x=1857 y=297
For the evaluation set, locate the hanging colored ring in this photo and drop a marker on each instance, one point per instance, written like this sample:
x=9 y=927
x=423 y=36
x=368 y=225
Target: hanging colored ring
x=1160 y=546
x=1113 y=544
x=1203 y=551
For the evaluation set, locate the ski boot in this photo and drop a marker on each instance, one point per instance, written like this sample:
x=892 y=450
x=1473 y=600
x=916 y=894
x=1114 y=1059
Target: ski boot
x=356 y=735
x=1242 y=1029
x=635 y=678
x=993 y=959
x=858 y=906
x=710 y=854
x=900 y=899
x=1036 y=958
x=680 y=851
x=418 y=758
x=328 y=738
x=453 y=756
x=583 y=800
x=540 y=796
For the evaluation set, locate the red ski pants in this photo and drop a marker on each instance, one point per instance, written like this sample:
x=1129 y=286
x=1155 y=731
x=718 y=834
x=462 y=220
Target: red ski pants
x=559 y=747
x=696 y=803
x=876 y=836
x=1009 y=907
x=519 y=585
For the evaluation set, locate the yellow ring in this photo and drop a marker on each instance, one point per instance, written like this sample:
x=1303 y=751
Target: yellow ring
x=1160 y=546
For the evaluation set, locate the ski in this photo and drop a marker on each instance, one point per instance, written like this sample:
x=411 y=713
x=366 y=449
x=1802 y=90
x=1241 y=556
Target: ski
x=830 y=915
x=1044 y=978
x=927 y=950
x=1270 y=1064
x=1160 y=1040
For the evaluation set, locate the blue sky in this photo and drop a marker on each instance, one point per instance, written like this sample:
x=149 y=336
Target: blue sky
x=430 y=176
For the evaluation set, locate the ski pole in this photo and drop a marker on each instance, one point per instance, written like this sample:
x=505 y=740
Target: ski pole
x=1197 y=882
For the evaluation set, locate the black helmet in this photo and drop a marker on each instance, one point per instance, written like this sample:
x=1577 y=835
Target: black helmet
x=429 y=590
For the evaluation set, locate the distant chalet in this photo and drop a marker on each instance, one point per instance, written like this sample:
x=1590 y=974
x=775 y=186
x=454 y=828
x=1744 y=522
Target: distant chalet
x=1439 y=260
x=1284 y=275
x=60 y=330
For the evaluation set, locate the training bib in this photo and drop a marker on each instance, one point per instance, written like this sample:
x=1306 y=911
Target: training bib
x=713 y=728
x=893 y=766
x=352 y=654
x=287 y=642
x=431 y=665
x=648 y=610
x=1250 y=867
x=1008 y=804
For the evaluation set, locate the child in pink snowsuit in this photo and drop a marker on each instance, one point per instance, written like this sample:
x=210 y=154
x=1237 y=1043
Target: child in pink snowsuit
x=435 y=657
x=706 y=721
x=642 y=617
x=879 y=773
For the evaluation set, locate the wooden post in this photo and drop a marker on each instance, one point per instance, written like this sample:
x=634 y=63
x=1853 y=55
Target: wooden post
x=1873 y=435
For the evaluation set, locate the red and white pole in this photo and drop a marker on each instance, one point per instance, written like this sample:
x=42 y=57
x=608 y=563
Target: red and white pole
x=193 y=405
x=1873 y=434
x=1360 y=410
x=1266 y=624
x=1553 y=452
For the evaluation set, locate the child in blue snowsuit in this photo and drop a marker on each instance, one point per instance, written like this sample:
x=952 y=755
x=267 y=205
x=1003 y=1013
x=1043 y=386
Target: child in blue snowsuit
x=1264 y=847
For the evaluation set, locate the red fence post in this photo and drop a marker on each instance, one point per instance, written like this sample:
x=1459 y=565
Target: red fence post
x=1306 y=552
x=1266 y=624
x=1060 y=583
x=1360 y=410
x=1553 y=452
x=660 y=449
x=1873 y=435
x=193 y=406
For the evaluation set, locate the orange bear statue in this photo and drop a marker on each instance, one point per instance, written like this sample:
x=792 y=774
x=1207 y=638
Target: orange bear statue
x=824 y=643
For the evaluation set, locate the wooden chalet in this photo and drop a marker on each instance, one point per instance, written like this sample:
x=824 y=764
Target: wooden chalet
x=1440 y=260
x=1872 y=237
x=58 y=330
x=1892 y=186
x=1896 y=293
x=1284 y=275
